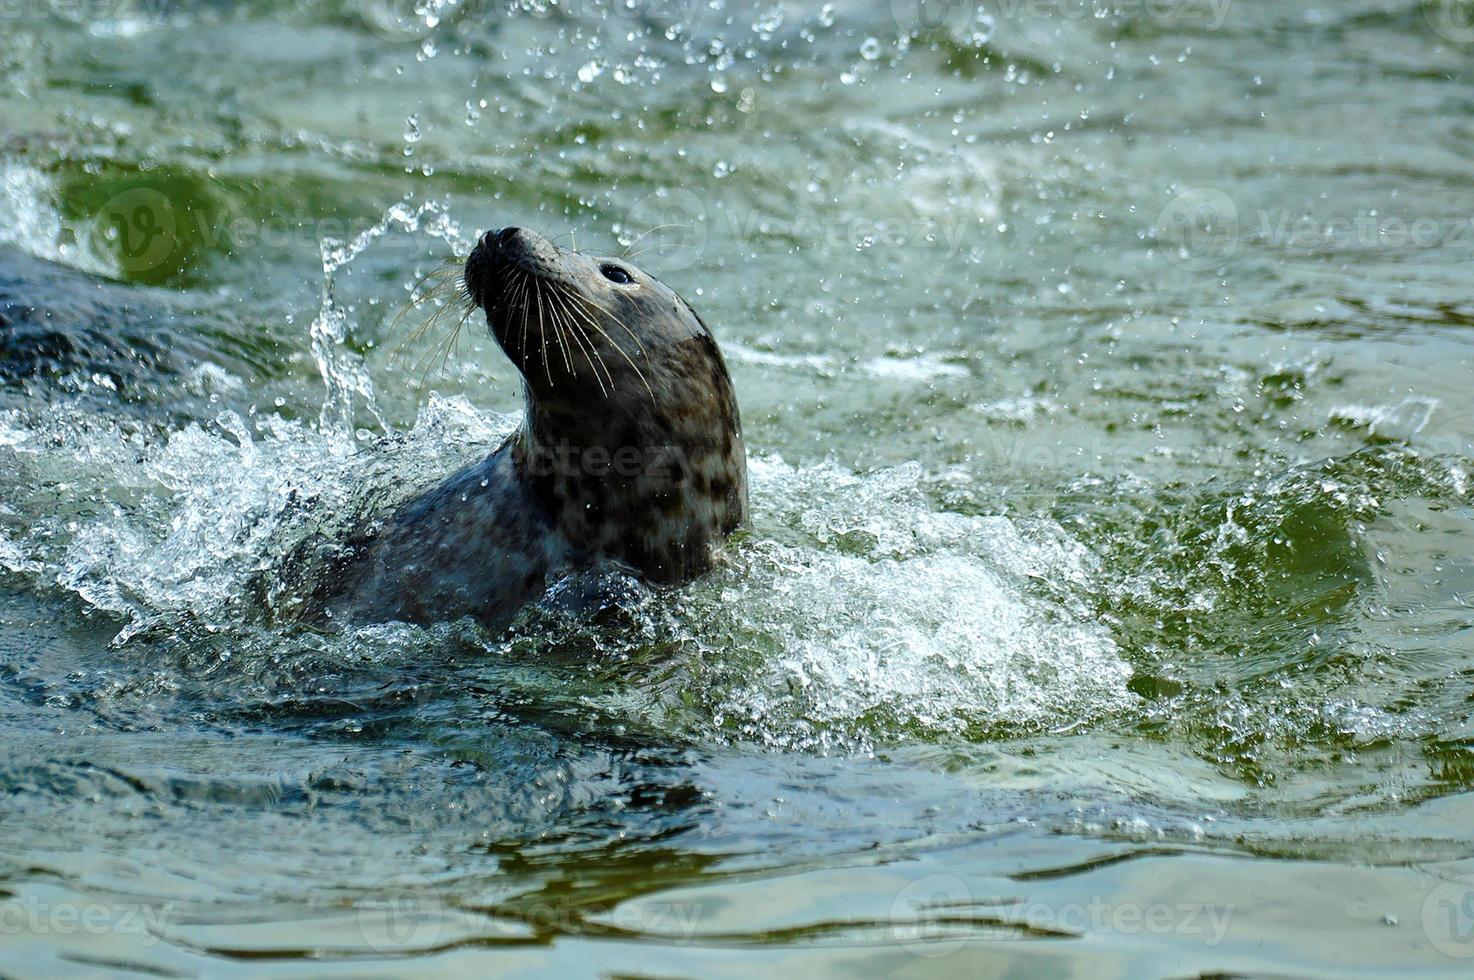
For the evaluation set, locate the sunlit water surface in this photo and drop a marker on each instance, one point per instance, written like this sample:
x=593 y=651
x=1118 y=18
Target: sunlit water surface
x=1106 y=378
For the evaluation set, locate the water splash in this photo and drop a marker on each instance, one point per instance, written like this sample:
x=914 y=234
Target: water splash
x=30 y=221
x=861 y=616
x=182 y=527
x=344 y=373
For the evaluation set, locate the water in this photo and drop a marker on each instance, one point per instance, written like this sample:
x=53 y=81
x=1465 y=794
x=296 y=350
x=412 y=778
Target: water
x=1105 y=372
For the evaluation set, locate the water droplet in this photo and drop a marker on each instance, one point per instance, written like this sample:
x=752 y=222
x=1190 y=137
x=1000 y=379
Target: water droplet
x=768 y=22
x=870 y=49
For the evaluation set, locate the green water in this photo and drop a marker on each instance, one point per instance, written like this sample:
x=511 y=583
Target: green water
x=1105 y=372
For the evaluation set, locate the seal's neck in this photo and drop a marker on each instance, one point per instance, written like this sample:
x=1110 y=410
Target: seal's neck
x=655 y=489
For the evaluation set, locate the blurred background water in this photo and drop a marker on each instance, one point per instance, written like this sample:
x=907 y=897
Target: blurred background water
x=1105 y=370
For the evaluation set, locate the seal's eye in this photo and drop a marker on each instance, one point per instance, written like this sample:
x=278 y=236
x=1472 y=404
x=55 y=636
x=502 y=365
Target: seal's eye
x=615 y=274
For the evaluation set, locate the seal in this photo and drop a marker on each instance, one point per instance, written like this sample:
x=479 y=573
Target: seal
x=629 y=454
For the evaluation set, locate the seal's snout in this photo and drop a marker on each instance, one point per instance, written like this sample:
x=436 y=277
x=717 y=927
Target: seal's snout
x=501 y=251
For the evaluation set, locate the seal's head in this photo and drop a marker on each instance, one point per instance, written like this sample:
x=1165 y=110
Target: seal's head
x=632 y=436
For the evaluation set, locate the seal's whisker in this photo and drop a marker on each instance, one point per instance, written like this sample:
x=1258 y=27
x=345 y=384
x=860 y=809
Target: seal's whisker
x=560 y=321
x=559 y=335
x=445 y=273
x=512 y=296
x=619 y=320
x=616 y=318
x=450 y=346
x=582 y=345
x=446 y=308
x=644 y=234
x=585 y=344
x=448 y=270
x=574 y=310
x=442 y=312
x=441 y=315
x=524 y=299
x=631 y=256
x=428 y=357
x=542 y=337
x=588 y=318
x=453 y=344
x=558 y=330
x=439 y=304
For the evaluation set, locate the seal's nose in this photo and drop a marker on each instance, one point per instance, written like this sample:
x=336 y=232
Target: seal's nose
x=499 y=237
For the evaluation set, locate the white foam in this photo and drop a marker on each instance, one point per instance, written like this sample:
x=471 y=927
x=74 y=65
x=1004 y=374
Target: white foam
x=890 y=620
x=922 y=368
